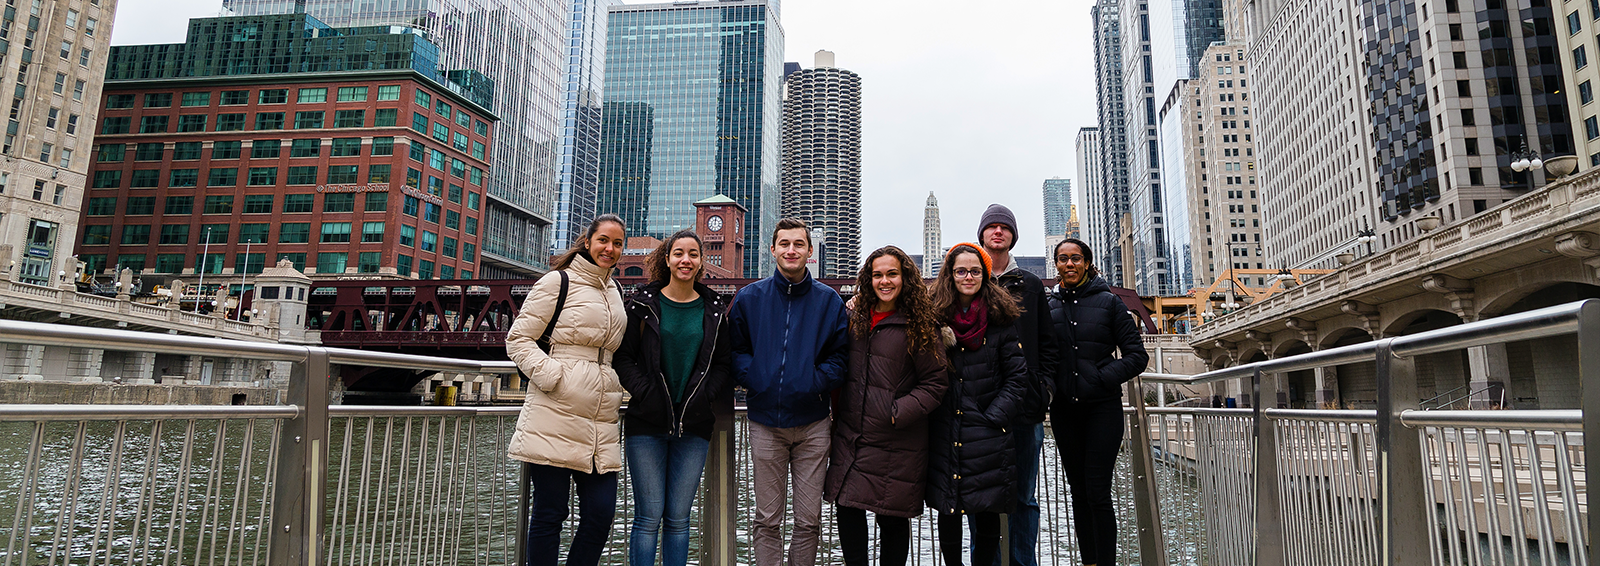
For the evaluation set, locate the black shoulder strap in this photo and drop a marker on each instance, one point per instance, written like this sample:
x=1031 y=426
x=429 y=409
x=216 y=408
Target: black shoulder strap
x=561 y=303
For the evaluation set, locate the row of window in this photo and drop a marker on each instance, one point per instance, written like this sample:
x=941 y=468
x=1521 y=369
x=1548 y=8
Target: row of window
x=313 y=95
x=273 y=149
x=327 y=262
x=288 y=233
x=235 y=122
x=292 y=204
x=268 y=177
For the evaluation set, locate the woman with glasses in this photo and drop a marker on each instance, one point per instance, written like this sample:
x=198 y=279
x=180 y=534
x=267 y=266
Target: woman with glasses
x=972 y=464
x=1087 y=415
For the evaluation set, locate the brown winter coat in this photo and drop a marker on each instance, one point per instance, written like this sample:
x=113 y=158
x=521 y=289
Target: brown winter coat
x=570 y=415
x=879 y=458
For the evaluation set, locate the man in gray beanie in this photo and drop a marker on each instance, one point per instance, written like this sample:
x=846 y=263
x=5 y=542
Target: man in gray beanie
x=997 y=233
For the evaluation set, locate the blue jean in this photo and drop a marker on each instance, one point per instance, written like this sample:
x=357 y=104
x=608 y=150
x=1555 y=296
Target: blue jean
x=1024 y=522
x=597 y=507
x=666 y=474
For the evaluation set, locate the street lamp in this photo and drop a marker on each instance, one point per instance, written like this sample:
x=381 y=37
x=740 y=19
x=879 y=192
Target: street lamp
x=1525 y=159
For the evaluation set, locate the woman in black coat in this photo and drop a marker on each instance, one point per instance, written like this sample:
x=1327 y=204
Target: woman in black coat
x=1087 y=416
x=972 y=459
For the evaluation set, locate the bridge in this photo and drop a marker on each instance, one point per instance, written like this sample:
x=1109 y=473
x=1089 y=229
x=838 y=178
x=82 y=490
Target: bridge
x=307 y=482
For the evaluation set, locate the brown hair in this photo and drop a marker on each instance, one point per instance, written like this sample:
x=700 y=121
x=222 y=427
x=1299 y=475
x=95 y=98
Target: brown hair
x=564 y=260
x=656 y=263
x=790 y=224
x=1088 y=257
x=914 y=302
x=946 y=299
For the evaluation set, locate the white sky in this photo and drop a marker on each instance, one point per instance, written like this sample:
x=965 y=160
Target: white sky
x=978 y=102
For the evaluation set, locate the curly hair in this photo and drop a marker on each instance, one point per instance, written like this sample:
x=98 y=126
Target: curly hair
x=656 y=263
x=914 y=302
x=946 y=299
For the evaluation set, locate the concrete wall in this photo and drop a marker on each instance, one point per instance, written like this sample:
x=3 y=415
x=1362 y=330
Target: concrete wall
x=49 y=392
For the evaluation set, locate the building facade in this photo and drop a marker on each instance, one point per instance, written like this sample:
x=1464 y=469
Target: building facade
x=1090 y=186
x=57 y=52
x=1224 y=201
x=581 y=118
x=522 y=47
x=822 y=159
x=691 y=113
x=376 y=171
x=1582 y=79
x=932 y=238
x=1057 y=205
x=1149 y=274
x=1110 y=201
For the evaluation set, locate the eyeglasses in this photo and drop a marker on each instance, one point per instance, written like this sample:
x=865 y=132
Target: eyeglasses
x=1070 y=258
x=964 y=272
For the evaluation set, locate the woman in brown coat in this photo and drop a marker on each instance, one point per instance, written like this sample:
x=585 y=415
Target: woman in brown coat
x=879 y=457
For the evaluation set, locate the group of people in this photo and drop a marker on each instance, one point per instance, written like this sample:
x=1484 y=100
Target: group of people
x=910 y=396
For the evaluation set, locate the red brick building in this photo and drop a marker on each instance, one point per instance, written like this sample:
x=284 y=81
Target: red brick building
x=370 y=173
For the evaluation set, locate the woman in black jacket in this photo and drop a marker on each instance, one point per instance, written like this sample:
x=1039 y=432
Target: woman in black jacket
x=674 y=361
x=972 y=457
x=1087 y=416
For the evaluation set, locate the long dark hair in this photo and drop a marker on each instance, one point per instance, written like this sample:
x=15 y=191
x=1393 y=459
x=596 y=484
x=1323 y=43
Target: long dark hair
x=564 y=260
x=914 y=302
x=656 y=263
x=1088 y=257
x=946 y=299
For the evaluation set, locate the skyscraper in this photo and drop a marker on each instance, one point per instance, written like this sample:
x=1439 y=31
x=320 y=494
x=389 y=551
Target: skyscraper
x=705 y=76
x=932 y=238
x=1110 y=201
x=822 y=159
x=1057 y=210
x=1149 y=276
x=1090 y=188
x=1224 y=204
x=580 y=122
x=522 y=47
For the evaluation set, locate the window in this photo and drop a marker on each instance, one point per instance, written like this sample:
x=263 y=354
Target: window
x=339 y=202
x=436 y=159
x=346 y=147
x=175 y=205
x=141 y=206
x=249 y=263
x=342 y=175
x=135 y=234
x=1580 y=58
x=158 y=100
x=332 y=262
x=305 y=148
x=294 y=233
x=385 y=117
x=219 y=204
x=480 y=127
x=409 y=206
x=107 y=179
x=145 y=178
x=389 y=92
x=101 y=206
x=309 y=120
x=185 y=151
x=408 y=236
x=258 y=204
x=214 y=233
x=174 y=234
x=1468 y=118
x=383 y=146
x=371 y=232
x=441 y=132
x=230 y=122
x=311 y=95
x=417 y=152
x=419 y=123
x=153 y=124
x=472 y=226
x=254 y=233
x=306 y=175
x=115 y=125
x=297 y=203
x=452 y=219
x=1585 y=92
x=263 y=177
x=476 y=177
x=299 y=259
x=448 y=247
x=196 y=99
x=1574 y=24
x=443 y=108
x=369 y=262
x=274 y=96
x=430 y=241
x=463 y=120
x=447 y=272
x=349 y=118
x=378 y=173
x=131 y=261
x=477 y=150
x=97 y=235
x=459 y=141
x=61 y=84
x=72 y=18
x=376 y=202
x=269 y=121
x=83 y=56
x=469 y=254
x=170 y=263
x=235 y=97
x=90 y=25
x=225 y=150
x=147 y=152
x=77 y=90
x=117 y=101
x=423 y=99
x=458 y=168
x=352 y=94
x=222 y=177
x=1475 y=177
x=402 y=264
x=184 y=178
x=335 y=232
x=265 y=149
x=1591 y=128
x=472 y=201
x=425 y=270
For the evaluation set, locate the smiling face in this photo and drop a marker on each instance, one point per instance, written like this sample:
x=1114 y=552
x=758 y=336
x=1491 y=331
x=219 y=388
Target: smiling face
x=683 y=262
x=792 y=248
x=886 y=282
x=605 y=245
x=968 y=273
x=1070 y=264
x=997 y=238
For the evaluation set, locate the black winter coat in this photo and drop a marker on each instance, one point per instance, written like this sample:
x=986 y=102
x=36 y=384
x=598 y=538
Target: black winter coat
x=1039 y=342
x=639 y=367
x=972 y=454
x=879 y=457
x=1100 y=324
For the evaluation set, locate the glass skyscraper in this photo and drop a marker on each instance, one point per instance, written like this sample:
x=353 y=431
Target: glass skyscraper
x=522 y=47
x=692 y=109
x=580 y=121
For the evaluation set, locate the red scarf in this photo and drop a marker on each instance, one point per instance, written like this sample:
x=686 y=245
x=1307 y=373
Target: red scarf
x=878 y=317
x=970 y=325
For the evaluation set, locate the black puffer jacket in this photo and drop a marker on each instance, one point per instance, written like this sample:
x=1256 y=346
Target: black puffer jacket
x=1100 y=324
x=972 y=455
x=1039 y=342
x=638 y=365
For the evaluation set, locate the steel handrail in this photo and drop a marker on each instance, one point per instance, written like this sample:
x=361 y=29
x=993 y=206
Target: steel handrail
x=40 y=412
x=1571 y=419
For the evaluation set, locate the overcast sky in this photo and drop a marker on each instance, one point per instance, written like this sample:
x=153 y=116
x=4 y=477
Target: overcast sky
x=978 y=102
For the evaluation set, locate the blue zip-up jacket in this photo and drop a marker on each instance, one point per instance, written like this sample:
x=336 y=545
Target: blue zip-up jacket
x=790 y=347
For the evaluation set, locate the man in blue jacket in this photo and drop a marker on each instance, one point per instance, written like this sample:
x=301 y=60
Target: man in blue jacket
x=789 y=351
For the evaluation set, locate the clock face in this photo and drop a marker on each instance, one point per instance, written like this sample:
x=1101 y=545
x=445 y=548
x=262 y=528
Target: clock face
x=714 y=224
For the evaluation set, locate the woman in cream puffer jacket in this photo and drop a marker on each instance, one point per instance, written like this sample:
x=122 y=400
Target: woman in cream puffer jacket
x=569 y=429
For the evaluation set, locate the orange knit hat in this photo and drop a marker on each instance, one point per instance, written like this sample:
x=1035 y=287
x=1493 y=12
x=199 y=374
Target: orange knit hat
x=983 y=256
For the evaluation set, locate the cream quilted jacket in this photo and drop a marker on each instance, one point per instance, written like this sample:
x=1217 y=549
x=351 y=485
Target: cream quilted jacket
x=570 y=416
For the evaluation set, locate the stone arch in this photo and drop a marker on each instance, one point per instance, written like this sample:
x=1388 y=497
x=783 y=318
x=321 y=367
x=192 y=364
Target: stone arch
x=1356 y=384
x=1296 y=389
x=1550 y=292
x=1344 y=336
x=1443 y=376
x=1421 y=320
x=1542 y=373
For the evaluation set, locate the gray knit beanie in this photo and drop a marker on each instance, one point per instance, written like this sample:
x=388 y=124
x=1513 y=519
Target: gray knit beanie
x=999 y=214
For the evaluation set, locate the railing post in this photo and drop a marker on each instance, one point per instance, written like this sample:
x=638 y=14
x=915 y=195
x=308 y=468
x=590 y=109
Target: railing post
x=1589 y=383
x=1268 y=519
x=524 y=502
x=1402 y=511
x=302 y=467
x=1146 y=503
x=720 y=510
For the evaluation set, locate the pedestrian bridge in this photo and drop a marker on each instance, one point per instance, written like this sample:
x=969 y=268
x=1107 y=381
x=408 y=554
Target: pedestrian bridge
x=309 y=483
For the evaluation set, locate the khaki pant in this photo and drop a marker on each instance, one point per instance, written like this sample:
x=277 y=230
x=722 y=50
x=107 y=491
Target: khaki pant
x=781 y=453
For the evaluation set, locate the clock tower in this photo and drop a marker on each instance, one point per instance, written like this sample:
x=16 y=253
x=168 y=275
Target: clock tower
x=720 y=222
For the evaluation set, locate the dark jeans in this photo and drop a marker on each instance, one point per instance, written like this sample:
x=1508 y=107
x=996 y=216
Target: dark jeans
x=1089 y=435
x=985 y=538
x=1024 y=522
x=666 y=476
x=597 y=507
x=894 y=537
